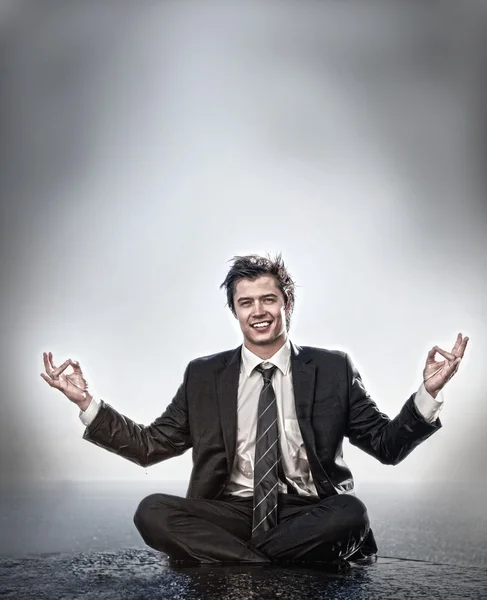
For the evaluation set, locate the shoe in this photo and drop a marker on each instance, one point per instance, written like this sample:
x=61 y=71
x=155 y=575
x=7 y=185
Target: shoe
x=365 y=559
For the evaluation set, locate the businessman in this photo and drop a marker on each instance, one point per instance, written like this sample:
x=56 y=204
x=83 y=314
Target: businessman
x=266 y=423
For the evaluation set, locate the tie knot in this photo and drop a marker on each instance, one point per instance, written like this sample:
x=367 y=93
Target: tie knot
x=266 y=373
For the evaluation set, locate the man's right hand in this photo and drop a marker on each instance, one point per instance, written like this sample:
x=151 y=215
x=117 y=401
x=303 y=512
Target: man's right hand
x=72 y=385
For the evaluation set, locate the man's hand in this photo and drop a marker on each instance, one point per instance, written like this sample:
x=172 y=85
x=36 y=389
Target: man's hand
x=437 y=373
x=72 y=385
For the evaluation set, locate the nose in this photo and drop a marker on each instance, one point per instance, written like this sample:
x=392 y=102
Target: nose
x=258 y=309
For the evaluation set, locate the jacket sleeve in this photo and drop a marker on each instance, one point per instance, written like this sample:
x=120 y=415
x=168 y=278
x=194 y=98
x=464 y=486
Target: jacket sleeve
x=169 y=435
x=387 y=440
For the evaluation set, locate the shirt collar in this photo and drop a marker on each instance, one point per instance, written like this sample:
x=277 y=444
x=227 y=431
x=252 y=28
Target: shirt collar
x=281 y=359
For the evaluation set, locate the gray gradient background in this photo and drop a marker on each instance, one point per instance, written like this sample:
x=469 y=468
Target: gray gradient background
x=143 y=145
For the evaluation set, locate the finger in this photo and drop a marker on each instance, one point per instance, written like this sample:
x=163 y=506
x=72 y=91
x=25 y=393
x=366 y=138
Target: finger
x=444 y=353
x=62 y=368
x=431 y=355
x=50 y=361
x=454 y=368
x=47 y=366
x=46 y=378
x=457 y=345
x=460 y=345
x=52 y=382
x=463 y=345
x=76 y=367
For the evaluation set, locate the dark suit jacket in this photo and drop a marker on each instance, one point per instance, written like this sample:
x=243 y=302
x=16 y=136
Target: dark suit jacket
x=331 y=403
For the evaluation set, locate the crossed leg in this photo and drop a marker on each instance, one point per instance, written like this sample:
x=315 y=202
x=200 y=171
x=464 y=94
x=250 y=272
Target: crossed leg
x=195 y=529
x=322 y=531
x=213 y=531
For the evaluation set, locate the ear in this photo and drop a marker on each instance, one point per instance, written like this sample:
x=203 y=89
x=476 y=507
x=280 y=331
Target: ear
x=287 y=306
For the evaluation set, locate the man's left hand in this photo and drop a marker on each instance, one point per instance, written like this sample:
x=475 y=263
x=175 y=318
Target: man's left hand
x=437 y=373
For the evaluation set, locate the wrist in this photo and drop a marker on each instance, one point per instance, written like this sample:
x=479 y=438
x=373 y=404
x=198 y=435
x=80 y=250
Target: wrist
x=83 y=405
x=432 y=392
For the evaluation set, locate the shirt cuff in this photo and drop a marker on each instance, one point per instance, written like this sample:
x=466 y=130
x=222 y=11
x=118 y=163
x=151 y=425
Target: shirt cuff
x=427 y=406
x=88 y=416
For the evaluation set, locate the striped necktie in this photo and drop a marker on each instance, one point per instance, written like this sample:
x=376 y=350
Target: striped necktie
x=266 y=459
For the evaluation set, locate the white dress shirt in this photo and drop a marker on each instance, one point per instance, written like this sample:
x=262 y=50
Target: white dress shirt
x=294 y=458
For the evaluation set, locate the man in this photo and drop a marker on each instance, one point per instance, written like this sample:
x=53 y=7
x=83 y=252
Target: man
x=266 y=422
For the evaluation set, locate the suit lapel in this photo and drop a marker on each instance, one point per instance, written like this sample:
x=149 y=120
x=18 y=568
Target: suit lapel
x=304 y=376
x=227 y=394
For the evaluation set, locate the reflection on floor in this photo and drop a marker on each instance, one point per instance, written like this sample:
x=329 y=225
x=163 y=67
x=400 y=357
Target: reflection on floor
x=145 y=574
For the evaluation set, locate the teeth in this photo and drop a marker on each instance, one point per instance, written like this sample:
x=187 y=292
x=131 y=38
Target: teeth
x=262 y=324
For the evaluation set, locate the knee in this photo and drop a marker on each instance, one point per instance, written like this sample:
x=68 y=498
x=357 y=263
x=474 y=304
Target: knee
x=351 y=512
x=355 y=512
x=150 y=508
x=357 y=516
x=352 y=505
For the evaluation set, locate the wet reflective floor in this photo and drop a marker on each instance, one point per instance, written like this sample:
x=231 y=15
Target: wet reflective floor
x=143 y=574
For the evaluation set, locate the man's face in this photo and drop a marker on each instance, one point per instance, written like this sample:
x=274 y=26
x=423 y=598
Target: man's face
x=260 y=310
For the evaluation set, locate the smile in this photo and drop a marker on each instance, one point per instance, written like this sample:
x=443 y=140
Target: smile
x=261 y=325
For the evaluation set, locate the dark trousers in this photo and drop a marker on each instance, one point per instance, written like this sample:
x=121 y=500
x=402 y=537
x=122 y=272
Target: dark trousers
x=211 y=531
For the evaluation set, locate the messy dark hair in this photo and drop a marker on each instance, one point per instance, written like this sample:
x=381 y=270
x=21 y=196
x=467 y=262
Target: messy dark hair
x=253 y=266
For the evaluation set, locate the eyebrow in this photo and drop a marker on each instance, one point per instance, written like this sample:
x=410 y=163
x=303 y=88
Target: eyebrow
x=243 y=298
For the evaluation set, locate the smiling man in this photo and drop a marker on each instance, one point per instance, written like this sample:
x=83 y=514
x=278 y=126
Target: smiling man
x=260 y=308
x=266 y=422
